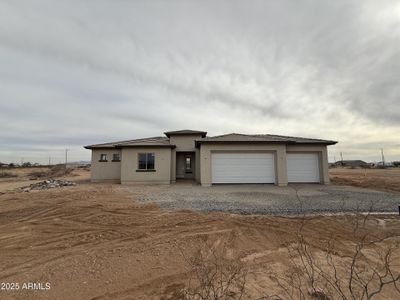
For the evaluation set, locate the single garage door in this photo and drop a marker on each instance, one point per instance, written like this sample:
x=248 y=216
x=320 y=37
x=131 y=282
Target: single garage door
x=243 y=167
x=303 y=167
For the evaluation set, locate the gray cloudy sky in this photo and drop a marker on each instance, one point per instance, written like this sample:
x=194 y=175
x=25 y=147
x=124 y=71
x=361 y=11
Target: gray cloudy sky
x=79 y=72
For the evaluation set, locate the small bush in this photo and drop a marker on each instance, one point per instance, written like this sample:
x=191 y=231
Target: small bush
x=213 y=274
x=7 y=174
x=55 y=171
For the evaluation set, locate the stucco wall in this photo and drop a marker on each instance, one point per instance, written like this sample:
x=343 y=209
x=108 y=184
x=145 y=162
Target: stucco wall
x=162 y=166
x=105 y=171
x=184 y=142
x=278 y=149
x=197 y=166
x=173 y=166
x=165 y=161
x=323 y=157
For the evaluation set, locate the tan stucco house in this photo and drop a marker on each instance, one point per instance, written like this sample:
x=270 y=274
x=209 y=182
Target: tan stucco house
x=225 y=159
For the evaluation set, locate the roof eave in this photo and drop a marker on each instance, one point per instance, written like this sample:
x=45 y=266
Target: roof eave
x=201 y=133
x=145 y=146
x=198 y=142
x=314 y=143
x=90 y=147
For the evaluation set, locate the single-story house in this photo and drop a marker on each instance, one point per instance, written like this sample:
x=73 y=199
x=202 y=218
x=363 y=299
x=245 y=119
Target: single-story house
x=225 y=159
x=352 y=163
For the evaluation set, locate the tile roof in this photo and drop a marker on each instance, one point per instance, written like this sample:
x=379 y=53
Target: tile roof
x=158 y=141
x=236 y=137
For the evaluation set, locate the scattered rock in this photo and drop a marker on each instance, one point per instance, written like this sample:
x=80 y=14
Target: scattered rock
x=47 y=184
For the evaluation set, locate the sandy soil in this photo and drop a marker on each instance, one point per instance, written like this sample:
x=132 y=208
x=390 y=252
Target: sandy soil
x=93 y=241
x=378 y=179
x=23 y=177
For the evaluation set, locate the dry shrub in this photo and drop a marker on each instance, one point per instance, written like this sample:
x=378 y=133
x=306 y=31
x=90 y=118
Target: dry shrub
x=54 y=171
x=215 y=273
x=328 y=272
x=4 y=174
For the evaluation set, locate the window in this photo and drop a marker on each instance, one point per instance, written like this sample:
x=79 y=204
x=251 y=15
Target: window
x=103 y=157
x=188 y=164
x=116 y=157
x=146 y=161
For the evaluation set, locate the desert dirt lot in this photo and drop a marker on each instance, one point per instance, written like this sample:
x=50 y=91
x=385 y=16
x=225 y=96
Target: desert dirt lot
x=94 y=241
x=379 y=179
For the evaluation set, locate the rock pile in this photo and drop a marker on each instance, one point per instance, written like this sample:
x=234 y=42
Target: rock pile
x=48 y=184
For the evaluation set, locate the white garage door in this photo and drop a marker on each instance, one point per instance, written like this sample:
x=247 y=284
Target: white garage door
x=302 y=167
x=243 y=168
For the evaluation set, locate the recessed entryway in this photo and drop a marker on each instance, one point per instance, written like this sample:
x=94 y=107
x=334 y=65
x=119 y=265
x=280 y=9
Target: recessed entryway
x=185 y=165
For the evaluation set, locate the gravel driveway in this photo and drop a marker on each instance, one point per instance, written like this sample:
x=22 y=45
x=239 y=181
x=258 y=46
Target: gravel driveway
x=267 y=199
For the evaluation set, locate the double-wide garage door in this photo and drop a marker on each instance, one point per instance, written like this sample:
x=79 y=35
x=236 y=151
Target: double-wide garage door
x=243 y=167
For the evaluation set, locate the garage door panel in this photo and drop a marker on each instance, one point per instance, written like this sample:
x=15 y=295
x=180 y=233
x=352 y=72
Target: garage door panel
x=243 y=168
x=303 y=167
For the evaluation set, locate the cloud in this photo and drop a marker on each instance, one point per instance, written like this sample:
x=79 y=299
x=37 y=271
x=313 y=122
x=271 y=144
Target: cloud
x=87 y=72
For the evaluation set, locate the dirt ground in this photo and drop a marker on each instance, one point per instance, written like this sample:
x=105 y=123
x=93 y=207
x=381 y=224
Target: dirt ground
x=93 y=241
x=26 y=176
x=378 y=179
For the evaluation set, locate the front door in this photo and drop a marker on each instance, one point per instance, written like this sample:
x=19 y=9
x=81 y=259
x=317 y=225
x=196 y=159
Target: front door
x=188 y=166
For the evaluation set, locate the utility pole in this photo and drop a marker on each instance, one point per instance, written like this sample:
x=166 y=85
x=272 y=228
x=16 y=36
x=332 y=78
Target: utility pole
x=66 y=157
x=49 y=160
x=383 y=158
x=341 y=156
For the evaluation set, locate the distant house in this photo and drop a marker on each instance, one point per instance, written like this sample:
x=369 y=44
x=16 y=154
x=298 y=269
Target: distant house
x=3 y=165
x=352 y=163
x=381 y=164
x=228 y=158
